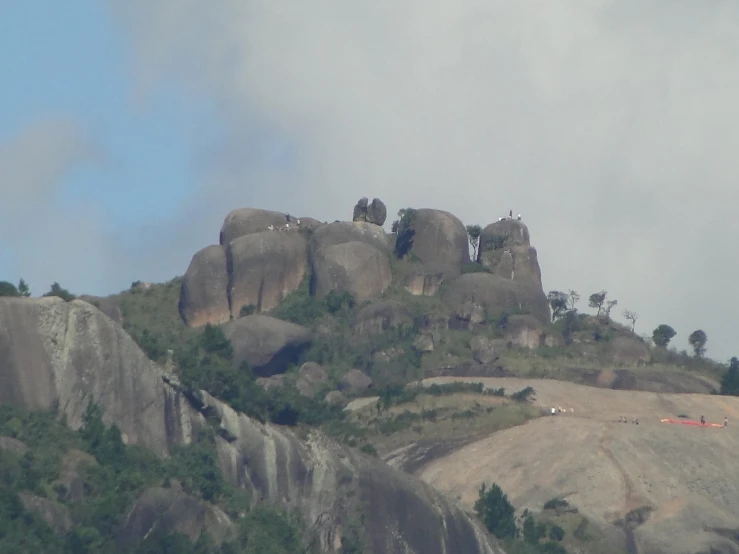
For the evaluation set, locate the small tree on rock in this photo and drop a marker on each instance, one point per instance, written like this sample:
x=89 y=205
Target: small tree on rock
x=23 y=289
x=607 y=310
x=632 y=317
x=496 y=512
x=558 y=302
x=697 y=340
x=57 y=290
x=473 y=233
x=572 y=299
x=596 y=300
x=662 y=335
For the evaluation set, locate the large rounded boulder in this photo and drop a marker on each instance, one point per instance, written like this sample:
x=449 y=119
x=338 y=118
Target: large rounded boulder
x=270 y=345
x=204 y=289
x=264 y=268
x=497 y=295
x=433 y=236
x=351 y=257
x=245 y=221
x=354 y=267
x=505 y=249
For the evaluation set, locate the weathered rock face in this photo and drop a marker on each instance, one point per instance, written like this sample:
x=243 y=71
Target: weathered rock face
x=506 y=250
x=351 y=257
x=376 y=212
x=9 y=444
x=340 y=232
x=264 y=268
x=354 y=267
x=204 y=289
x=267 y=343
x=67 y=353
x=245 y=221
x=426 y=279
x=170 y=510
x=484 y=350
x=435 y=237
x=497 y=295
x=72 y=353
x=524 y=331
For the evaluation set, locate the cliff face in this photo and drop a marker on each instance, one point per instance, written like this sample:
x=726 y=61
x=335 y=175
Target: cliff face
x=54 y=353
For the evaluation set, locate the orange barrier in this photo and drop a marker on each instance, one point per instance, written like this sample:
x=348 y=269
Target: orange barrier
x=691 y=422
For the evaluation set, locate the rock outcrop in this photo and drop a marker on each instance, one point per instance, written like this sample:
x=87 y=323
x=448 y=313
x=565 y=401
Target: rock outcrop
x=57 y=353
x=170 y=510
x=264 y=268
x=54 y=352
x=246 y=221
x=204 y=289
x=497 y=295
x=505 y=249
x=376 y=212
x=354 y=381
x=311 y=379
x=267 y=343
x=434 y=237
x=351 y=257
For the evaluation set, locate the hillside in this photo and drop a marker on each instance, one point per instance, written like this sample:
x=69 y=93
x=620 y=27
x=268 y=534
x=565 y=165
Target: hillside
x=295 y=349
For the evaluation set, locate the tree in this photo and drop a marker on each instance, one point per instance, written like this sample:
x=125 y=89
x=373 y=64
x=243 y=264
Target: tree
x=609 y=306
x=632 y=317
x=496 y=512
x=8 y=289
x=697 y=340
x=473 y=233
x=730 y=380
x=23 y=289
x=596 y=300
x=556 y=533
x=662 y=335
x=573 y=298
x=57 y=290
x=558 y=302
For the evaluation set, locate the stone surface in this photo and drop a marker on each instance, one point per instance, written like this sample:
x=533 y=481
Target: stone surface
x=204 y=289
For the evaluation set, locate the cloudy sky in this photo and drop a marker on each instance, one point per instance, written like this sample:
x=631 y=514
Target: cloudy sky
x=129 y=128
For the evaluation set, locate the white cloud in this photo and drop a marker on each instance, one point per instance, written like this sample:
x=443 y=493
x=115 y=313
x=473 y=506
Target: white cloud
x=48 y=240
x=610 y=124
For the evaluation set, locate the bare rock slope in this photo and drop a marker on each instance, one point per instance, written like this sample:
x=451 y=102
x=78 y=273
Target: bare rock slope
x=683 y=479
x=68 y=354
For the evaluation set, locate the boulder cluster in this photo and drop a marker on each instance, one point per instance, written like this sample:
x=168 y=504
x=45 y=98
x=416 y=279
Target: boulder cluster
x=263 y=256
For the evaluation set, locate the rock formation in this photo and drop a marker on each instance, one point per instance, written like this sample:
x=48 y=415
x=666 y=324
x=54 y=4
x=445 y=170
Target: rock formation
x=68 y=354
x=505 y=249
x=376 y=212
x=264 y=268
x=434 y=236
x=170 y=510
x=267 y=343
x=350 y=257
x=204 y=289
x=497 y=295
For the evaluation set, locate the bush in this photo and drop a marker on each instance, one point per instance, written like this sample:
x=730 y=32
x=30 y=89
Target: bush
x=247 y=309
x=524 y=395
x=496 y=512
x=57 y=290
x=730 y=379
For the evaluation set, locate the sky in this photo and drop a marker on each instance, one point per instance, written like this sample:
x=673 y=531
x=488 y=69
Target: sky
x=130 y=128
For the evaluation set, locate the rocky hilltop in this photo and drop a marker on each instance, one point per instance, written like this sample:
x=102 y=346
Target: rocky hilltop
x=54 y=353
x=294 y=350
x=263 y=256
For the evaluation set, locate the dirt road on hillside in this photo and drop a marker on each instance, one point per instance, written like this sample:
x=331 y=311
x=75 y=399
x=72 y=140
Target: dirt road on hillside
x=687 y=476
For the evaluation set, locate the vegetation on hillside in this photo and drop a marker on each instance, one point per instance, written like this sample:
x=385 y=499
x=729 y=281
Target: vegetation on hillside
x=114 y=478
